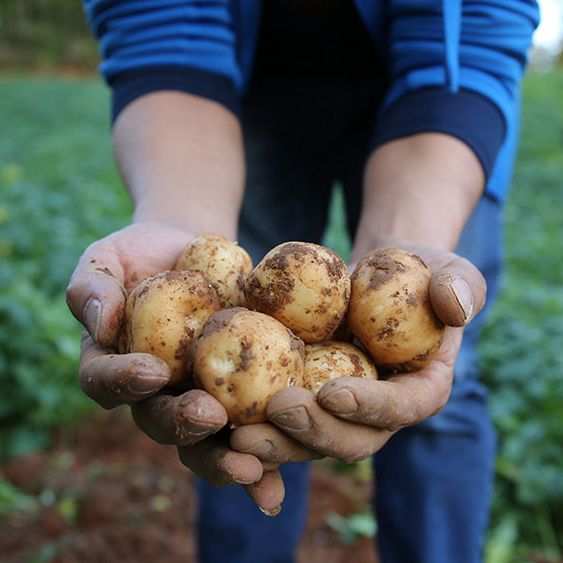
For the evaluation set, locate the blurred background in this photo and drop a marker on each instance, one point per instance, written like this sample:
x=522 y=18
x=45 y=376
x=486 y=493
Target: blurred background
x=77 y=484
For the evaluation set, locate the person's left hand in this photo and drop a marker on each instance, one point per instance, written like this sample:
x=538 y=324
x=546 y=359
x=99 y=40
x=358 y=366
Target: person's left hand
x=352 y=417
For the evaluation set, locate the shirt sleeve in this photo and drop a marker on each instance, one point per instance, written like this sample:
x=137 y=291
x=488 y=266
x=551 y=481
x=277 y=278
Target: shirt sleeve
x=455 y=67
x=151 y=45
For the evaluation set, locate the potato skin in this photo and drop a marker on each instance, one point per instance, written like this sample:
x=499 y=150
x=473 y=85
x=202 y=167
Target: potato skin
x=243 y=358
x=304 y=286
x=223 y=261
x=163 y=316
x=390 y=310
x=330 y=360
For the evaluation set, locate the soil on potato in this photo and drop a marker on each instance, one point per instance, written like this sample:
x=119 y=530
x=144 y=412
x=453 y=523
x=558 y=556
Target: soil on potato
x=109 y=494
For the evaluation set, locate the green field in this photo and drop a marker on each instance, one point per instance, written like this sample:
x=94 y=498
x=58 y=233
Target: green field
x=59 y=191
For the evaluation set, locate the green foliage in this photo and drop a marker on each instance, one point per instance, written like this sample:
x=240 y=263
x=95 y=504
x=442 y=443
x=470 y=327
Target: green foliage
x=353 y=527
x=520 y=350
x=59 y=192
x=13 y=500
x=336 y=236
x=45 y=34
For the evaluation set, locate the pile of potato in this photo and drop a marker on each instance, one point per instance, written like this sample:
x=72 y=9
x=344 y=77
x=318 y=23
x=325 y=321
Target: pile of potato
x=243 y=334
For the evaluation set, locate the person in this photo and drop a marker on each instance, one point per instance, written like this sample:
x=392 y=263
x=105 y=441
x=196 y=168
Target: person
x=237 y=118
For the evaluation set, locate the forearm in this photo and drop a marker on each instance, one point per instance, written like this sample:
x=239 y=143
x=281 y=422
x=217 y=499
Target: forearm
x=181 y=158
x=418 y=189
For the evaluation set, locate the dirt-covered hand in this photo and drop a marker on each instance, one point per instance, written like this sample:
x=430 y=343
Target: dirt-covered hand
x=96 y=295
x=352 y=418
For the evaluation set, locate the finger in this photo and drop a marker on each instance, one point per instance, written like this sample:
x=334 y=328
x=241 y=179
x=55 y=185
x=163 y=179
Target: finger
x=269 y=444
x=218 y=464
x=297 y=413
x=96 y=295
x=181 y=421
x=268 y=493
x=399 y=401
x=457 y=291
x=114 y=379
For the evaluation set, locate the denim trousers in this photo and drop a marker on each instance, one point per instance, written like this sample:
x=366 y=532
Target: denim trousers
x=433 y=481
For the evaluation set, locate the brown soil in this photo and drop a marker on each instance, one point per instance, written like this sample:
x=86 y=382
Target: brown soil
x=109 y=494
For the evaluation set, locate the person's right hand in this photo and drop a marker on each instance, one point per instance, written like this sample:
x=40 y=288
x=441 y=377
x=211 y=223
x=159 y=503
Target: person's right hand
x=106 y=272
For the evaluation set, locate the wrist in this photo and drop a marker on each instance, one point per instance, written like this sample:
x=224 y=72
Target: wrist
x=418 y=190
x=193 y=219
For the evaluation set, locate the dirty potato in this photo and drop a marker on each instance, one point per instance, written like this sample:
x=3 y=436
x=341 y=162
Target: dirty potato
x=390 y=310
x=243 y=358
x=330 y=360
x=163 y=316
x=223 y=261
x=304 y=286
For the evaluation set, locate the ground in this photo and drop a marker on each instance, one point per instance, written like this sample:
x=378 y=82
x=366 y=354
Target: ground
x=110 y=494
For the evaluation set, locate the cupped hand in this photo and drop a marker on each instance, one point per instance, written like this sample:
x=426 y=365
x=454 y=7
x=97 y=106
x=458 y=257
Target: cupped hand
x=106 y=272
x=352 y=418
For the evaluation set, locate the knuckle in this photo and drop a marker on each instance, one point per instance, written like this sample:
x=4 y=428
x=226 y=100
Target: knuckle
x=392 y=415
x=185 y=435
x=221 y=467
x=73 y=295
x=220 y=474
x=86 y=377
x=95 y=385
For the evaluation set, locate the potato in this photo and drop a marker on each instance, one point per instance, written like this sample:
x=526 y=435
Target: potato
x=390 y=311
x=243 y=358
x=163 y=316
x=304 y=286
x=226 y=264
x=330 y=360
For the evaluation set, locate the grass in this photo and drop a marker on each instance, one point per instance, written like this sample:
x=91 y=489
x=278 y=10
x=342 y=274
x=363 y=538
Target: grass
x=59 y=192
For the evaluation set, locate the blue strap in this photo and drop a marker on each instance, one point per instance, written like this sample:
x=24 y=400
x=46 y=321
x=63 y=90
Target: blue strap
x=452 y=31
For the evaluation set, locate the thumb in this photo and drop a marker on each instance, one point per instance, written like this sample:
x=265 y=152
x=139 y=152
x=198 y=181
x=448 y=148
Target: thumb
x=96 y=293
x=457 y=292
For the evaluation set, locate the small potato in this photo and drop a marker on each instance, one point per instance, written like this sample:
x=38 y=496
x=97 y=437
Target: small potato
x=390 y=310
x=243 y=358
x=330 y=360
x=223 y=261
x=163 y=316
x=305 y=286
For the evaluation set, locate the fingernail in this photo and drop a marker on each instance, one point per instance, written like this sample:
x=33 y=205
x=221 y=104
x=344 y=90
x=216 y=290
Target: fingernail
x=241 y=481
x=92 y=316
x=270 y=512
x=141 y=385
x=185 y=436
x=463 y=296
x=189 y=430
x=342 y=401
x=296 y=418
